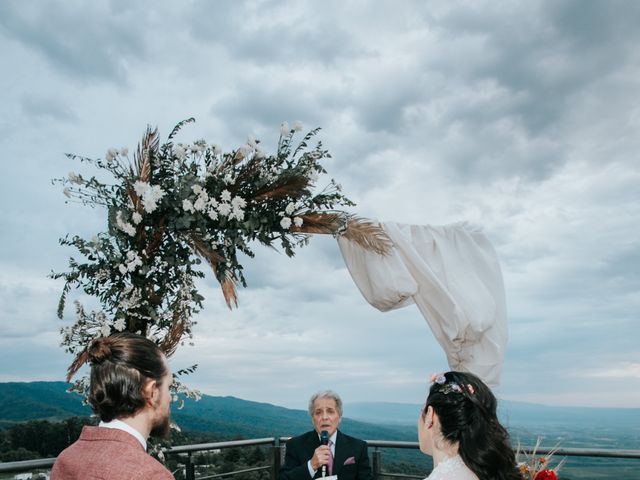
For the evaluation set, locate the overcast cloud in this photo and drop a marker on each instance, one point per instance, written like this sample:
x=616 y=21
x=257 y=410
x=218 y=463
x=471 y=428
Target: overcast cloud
x=522 y=117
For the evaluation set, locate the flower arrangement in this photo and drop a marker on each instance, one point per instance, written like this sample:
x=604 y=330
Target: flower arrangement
x=535 y=467
x=172 y=206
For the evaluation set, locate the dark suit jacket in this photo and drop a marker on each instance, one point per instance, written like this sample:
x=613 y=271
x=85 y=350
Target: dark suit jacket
x=300 y=449
x=109 y=454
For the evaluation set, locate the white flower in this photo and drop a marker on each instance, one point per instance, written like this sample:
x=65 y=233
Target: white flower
x=290 y=208
x=123 y=269
x=139 y=187
x=136 y=217
x=180 y=152
x=213 y=202
x=134 y=261
x=259 y=155
x=111 y=154
x=151 y=197
x=238 y=202
x=120 y=324
x=297 y=221
x=125 y=226
x=187 y=206
x=252 y=142
x=228 y=179
x=245 y=150
x=285 y=222
x=297 y=126
x=216 y=149
x=284 y=128
x=67 y=192
x=239 y=214
x=200 y=204
x=196 y=188
x=105 y=330
x=224 y=209
x=213 y=215
x=124 y=151
x=225 y=195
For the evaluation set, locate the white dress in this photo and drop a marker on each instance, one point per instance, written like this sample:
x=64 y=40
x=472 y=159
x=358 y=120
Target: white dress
x=452 y=469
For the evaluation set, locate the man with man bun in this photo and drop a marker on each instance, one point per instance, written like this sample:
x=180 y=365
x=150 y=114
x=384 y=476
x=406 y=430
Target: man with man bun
x=129 y=391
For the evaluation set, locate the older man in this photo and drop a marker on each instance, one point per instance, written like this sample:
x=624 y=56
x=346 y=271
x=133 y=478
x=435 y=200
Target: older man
x=343 y=456
x=129 y=391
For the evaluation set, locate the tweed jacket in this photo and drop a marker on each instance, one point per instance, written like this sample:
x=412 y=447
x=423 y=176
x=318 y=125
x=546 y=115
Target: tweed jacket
x=351 y=458
x=107 y=454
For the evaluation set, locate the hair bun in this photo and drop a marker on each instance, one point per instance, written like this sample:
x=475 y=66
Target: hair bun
x=100 y=350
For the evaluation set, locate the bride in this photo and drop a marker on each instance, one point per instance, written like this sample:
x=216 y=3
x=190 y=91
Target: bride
x=459 y=428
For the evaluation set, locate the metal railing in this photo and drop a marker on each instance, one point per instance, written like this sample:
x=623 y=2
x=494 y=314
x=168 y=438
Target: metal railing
x=185 y=454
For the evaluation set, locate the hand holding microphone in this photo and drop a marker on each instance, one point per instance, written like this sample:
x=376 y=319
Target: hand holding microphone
x=324 y=440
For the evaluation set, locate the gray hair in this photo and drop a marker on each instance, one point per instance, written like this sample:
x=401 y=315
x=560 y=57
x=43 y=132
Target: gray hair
x=325 y=394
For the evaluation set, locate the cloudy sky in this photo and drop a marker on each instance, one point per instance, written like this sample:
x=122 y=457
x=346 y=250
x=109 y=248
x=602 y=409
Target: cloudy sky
x=522 y=117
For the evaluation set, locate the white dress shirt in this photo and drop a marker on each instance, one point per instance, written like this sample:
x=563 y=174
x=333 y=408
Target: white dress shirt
x=120 y=425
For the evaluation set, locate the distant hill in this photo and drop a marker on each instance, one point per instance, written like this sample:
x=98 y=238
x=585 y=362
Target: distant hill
x=231 y=417
x=22 y=401
x=226 y=416
x=512 y=414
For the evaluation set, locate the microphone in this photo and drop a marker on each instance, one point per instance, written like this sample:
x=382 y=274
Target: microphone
x=324 y=440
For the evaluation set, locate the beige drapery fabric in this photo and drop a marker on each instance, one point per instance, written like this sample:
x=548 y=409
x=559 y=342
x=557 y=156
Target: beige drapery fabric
x=452 y=274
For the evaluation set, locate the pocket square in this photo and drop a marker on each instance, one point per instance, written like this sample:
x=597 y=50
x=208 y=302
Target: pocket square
x=350 y=461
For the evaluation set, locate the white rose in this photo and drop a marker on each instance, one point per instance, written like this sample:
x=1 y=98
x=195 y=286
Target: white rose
x=290 y=208
x=238 y=202
x=187 y=206
x=136 y=217
x=139 y=187
x=224 y=209
x=297 y=221
x=285 y=222
x=199 y=204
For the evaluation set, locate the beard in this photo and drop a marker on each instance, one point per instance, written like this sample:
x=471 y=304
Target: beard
x=162 y=427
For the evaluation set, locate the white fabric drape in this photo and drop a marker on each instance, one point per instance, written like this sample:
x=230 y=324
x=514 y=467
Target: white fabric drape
x=452 y=274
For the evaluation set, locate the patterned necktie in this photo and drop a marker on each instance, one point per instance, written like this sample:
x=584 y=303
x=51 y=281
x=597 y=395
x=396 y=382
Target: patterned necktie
x=330 y=466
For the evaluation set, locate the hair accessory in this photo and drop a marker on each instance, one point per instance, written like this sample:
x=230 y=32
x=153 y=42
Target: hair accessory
x=471 y=389
x=438 y=378
x=451 y=387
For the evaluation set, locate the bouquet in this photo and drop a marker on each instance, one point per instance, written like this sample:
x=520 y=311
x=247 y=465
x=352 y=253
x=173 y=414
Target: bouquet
x=536 y=467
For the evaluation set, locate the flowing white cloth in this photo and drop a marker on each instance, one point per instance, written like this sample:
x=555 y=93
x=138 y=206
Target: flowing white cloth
x=453 y=275
x=452 y=469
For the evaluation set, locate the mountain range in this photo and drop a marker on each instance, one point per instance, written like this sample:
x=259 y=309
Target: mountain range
x=232 y=417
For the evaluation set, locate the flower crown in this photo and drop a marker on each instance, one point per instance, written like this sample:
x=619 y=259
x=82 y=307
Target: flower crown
x=450 y=387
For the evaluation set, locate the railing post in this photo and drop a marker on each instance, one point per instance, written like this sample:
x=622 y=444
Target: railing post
x=377 y=463
x=276 y=456
x=189 y=468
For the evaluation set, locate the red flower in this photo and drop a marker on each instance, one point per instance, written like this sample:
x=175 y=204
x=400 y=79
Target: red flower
x=546 y=475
